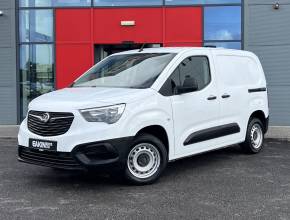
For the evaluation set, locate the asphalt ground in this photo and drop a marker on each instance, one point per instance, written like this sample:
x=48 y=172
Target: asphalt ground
x=224 y=184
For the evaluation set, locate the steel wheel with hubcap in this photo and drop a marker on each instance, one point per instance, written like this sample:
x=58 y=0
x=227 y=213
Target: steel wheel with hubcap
x=146 y=160
x=254 y=137
x=143 y=160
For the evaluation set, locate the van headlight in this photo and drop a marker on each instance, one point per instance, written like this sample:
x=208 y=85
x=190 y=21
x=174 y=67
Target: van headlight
x=108 y=114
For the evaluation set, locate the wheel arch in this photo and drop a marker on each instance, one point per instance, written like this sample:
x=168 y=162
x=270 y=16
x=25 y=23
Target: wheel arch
x=159 y=132
x=262 y=117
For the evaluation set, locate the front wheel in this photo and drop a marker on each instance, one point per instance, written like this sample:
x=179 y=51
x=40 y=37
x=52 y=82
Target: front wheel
x=146 y=160
x=254 y=137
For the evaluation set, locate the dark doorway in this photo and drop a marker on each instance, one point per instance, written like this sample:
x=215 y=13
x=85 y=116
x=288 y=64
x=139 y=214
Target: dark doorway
x=104 y=50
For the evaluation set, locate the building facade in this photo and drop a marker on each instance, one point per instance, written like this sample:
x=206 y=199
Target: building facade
x=46 y=44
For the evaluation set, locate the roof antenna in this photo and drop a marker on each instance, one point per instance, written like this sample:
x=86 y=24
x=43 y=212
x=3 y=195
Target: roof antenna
x=142 y=47
x=210 y=46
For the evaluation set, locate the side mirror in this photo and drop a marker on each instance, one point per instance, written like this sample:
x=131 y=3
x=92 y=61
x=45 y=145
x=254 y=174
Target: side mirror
x=189 y=85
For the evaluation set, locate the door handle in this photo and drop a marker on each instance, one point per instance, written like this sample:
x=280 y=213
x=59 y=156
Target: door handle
x=224 y=96
x=212 y=97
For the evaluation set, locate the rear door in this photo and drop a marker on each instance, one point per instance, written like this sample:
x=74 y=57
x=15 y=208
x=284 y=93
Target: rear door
x=195 y=113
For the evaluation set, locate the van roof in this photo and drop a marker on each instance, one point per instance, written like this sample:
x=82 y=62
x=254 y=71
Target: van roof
x=184 y=49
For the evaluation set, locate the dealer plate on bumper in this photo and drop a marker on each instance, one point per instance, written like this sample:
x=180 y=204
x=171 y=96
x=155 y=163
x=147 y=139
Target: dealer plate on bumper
x=43 y=145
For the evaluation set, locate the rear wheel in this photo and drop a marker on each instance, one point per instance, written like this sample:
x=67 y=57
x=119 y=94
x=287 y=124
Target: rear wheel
x=146 y=160
x=254 y=137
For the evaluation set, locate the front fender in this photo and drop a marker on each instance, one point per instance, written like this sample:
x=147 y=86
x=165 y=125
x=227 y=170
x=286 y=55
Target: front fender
x=150 y=113
x=149 y=118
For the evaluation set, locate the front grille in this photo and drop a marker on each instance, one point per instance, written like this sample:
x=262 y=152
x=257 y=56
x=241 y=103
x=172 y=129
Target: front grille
x=59 y=123
x=47 y=158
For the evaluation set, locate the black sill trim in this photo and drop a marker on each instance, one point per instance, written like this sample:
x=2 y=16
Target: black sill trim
x=212 y=133
x=262 y=89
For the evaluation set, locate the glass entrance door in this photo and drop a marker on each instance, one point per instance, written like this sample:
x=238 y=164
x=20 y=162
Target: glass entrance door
x=36 y=72
x=102 y=51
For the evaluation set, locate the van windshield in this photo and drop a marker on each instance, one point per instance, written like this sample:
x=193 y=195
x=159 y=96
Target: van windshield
x=126 y=71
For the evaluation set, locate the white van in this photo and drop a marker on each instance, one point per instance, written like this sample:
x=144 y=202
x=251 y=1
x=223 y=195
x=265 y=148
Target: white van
x=138 y=110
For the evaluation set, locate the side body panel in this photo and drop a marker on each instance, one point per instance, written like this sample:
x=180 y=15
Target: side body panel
x=194 y=113
x=218 y=125
x=237 y=74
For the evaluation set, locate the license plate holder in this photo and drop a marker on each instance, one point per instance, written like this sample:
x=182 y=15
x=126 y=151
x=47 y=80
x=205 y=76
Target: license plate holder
x=42 y=145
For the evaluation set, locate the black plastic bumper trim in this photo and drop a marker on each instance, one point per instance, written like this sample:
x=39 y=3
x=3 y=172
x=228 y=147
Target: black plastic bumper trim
x=116 y=151
x=48 y=159
x=88 y=155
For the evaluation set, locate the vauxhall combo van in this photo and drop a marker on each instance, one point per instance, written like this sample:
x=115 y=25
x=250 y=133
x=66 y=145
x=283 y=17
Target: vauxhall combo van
x=136 y=111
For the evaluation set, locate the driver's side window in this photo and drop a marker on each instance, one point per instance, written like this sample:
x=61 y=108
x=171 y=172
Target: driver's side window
x=195 y=68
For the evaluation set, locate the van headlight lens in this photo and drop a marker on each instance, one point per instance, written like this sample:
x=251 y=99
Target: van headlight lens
x=108 y=114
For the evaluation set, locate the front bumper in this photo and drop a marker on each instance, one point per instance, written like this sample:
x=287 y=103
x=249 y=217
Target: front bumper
x=79 y=132
x=109 y=153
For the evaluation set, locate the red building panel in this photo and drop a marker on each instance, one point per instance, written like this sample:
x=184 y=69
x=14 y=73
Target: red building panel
x=73 y=25
x=78 y=30
x=183 y=26
x=108 y=29
x=71 y=61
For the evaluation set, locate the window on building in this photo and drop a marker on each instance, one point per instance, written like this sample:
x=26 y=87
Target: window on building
x=36 y=55
x=36 y=72
x=53 y=3
x=127 y=2
x=199 y=2
x=222 y=26
x=36 y=25
x=222 y=23
x=35 y=3
x=64 y=3
x=230 y=45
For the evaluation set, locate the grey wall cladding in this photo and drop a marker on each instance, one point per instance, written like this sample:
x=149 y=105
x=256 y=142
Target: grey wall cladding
x=267 y=2
x=8 y=90
x=279 y=105
x=6 y=4
x=266 y=33
x=268 y=26
x=276 y=63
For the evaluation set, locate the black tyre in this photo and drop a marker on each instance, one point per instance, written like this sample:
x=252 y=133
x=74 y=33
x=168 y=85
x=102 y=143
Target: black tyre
x=146 y=160
x=254 y=137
